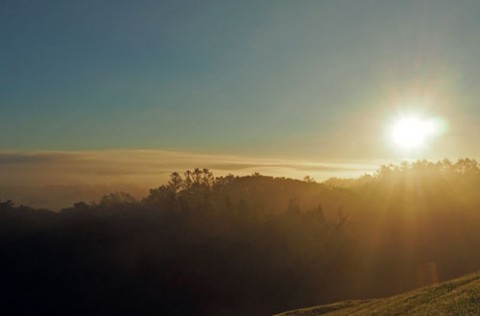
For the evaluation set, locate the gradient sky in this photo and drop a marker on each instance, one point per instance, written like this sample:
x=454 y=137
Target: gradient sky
x=304 y=79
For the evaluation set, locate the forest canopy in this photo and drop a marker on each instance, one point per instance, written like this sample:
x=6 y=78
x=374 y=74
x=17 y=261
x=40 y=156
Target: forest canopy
x=230 y=245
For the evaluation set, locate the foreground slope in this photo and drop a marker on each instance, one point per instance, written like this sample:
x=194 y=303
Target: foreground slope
x=457 y=297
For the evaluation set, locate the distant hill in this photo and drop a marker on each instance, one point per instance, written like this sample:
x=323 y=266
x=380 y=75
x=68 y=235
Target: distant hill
x=457 y=297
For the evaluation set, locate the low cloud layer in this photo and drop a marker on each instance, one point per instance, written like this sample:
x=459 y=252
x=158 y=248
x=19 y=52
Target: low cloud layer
x=136 y=171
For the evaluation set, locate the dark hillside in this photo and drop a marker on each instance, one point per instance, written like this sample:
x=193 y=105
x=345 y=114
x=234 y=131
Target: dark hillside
x=254 y=245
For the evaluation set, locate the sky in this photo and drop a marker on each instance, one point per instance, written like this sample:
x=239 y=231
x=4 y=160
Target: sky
x=316 y=81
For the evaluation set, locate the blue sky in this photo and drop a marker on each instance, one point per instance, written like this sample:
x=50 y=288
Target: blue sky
x=305 y=79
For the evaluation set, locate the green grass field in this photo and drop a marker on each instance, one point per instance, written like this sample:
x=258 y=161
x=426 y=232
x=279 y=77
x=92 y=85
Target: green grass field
x=456 y=297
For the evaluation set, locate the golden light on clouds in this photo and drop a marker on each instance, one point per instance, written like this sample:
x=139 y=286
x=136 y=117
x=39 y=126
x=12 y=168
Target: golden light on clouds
x=152 y=167
x=39 y=178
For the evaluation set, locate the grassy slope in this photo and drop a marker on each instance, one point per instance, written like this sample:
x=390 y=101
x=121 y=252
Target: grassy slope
x=457 y=297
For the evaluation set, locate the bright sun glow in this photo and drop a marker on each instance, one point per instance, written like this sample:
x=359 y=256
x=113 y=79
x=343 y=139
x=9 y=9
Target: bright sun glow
x=412 y=132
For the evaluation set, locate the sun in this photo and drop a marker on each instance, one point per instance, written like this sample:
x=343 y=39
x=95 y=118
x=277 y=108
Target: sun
x=412 y=132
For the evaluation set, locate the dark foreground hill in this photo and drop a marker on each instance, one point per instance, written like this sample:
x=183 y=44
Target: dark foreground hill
x=457 y=297
x=234 y=246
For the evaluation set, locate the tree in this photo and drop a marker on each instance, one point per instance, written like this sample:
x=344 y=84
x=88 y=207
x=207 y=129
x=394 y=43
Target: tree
x=208 y=178
x=187 y=182
x=175 y=183
x=8 y=204
x=117 y=198
x=293 y=206
x=309 y=179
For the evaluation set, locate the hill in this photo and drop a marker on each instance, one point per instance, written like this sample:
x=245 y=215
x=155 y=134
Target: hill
x=251 y=245
x=457 y=297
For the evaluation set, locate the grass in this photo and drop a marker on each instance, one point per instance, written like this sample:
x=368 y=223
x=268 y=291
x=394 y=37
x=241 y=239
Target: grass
x=456 y=297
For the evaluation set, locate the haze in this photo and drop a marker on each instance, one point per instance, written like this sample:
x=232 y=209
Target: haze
x=231 y=158
x=320 y=82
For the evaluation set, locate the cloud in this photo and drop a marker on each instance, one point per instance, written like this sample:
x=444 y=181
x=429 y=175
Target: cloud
x=7 y=158
x=56 y=179
x=150 y=166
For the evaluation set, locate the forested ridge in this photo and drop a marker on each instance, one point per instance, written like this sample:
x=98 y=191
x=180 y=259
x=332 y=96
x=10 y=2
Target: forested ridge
x=254 y=245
